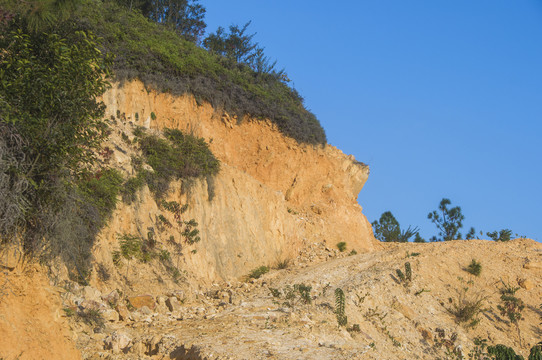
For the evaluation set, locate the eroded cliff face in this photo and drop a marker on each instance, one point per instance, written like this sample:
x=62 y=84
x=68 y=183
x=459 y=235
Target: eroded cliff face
x=271 y=198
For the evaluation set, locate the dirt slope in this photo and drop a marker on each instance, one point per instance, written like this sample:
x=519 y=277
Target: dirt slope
x=394 y=321
x=31 y=323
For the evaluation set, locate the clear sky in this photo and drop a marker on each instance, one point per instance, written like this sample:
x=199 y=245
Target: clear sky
x=439 y=98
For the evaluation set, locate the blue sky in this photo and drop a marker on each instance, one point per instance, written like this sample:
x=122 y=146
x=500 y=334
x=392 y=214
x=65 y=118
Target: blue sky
x=440 y=98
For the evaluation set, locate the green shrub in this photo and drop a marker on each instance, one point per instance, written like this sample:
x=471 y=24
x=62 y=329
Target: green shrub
x=165 y=61
x=342 y=319
x=91 y=317
x=536 y=352
x=502 y=235
x=474 y=268
x=387 y=229
x=50 y=129
x=341 y=246
x=258 y=272
x=102 y=190
x=178 y=156
x=283 y=264
x=467 y=307
x=406 y=277
x=292 y=295
x=502 y=352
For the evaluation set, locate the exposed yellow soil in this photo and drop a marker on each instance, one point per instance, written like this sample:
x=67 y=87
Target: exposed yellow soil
x=31 y=323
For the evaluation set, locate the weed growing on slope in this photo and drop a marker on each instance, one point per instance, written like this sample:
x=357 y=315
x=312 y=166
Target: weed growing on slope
x=474 y=268
x=258 y=272
x=511 y=306
x=342 y=319
x=467 y=306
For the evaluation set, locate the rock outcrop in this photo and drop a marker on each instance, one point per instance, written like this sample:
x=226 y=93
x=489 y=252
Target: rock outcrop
x=272 y=197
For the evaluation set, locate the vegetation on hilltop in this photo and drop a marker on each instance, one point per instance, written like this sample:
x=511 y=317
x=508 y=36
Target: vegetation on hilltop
x=156 y=54
x=448 y=221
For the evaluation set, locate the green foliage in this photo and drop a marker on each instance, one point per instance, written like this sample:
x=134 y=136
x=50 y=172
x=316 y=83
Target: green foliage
x=187 y=228
x=167 y=62
x=102 y=190
x=258 y=272
x=178 y=156
x=467 y=307
x=283 y=264
x=292 y=295
x=418 y=238
x=471 y=234
x=448 y=221
x=91 y=317
x=408 y=272
x=502 y=235
x=131 y=246
x=341 y=246
x=342 y=319
x=502 y=352
x=51 y=126
x=37 y=15
x=387 y=229
x=304 y=292
x=60 y=132
x=406 y=277
x=511 y=306
x=536 y=352
x=475 y=268
x=183 y=16
x=239 y=46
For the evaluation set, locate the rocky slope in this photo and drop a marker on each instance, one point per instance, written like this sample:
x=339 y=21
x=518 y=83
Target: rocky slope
x=386 y=318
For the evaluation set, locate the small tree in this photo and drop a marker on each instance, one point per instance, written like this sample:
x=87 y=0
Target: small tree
x=502 y=235
x=239 y=46
x=511 y=306
x=185 y=16
x=448 y=221
x=387 y=229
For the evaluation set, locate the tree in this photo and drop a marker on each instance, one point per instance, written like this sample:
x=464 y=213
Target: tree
x=387 y=229
x=238 y=46
x=185 y=16
x=448 y=221
x=502 y=235
x=37 y=14
x=50 y=120
x=418 y=238
x=471 y=234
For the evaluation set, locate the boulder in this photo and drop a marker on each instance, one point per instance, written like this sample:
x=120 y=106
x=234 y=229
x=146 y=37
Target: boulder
x=142 y=300
x=90 y=293
x=110 y=315
x=118 y=341
x=526 y=284
x=123 y=312
x=173 y=304
x=92 y=305
x=112 y=298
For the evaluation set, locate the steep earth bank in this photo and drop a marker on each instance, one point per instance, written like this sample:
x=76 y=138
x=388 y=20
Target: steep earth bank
x=271 y=198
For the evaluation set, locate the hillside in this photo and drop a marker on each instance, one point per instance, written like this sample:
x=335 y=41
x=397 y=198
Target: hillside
x=161 y=200
x=265 y=211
